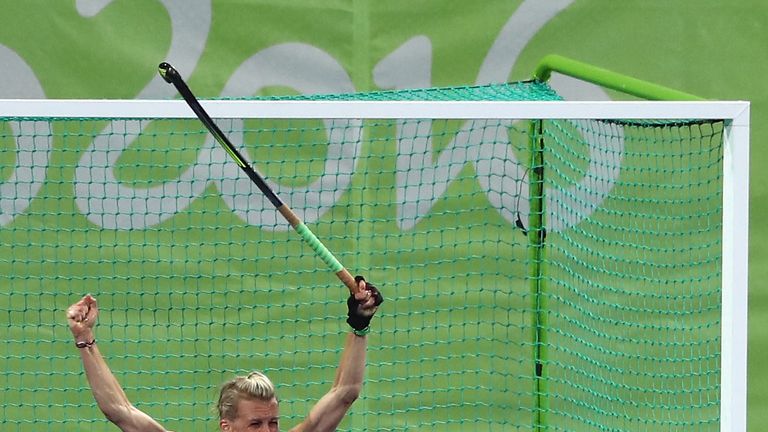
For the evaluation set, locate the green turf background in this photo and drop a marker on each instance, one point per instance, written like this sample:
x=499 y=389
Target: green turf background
x=710 y=48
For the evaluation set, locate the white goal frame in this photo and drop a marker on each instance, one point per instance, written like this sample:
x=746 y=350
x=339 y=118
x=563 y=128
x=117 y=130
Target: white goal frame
x=736 y=115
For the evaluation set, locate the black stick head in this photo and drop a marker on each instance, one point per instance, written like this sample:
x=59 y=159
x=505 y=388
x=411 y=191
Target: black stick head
x=168 y=73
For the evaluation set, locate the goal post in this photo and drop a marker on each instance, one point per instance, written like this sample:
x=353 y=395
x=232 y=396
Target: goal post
x=634 y=212
x=735 y=271
x=735 y=232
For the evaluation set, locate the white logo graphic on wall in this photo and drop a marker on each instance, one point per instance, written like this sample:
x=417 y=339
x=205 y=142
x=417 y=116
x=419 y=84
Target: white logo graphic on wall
x=112 y=205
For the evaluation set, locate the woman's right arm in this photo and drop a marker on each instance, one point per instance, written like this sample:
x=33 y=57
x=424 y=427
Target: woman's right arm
x=107 y=391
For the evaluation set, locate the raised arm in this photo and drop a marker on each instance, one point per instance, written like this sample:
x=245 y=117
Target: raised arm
x=107 y=391
x=331 y=408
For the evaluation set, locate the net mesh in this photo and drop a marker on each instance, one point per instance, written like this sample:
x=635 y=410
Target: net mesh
x=633 y=289
x=198 y=279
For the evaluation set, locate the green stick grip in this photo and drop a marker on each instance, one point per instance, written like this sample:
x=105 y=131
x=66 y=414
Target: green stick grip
x=319 y=247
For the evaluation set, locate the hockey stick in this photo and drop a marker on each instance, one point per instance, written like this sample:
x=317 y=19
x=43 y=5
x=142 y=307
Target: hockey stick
x=172 y=76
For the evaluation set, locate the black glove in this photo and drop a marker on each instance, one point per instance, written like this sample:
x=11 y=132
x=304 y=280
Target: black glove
x=354 y=319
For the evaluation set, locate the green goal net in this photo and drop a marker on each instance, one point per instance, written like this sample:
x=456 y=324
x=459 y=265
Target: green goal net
x=546 y=266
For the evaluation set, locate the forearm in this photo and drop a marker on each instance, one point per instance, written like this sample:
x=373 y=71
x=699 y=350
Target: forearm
x=351 y=371
x=107 y=392
x=331 y=408
x=110 y=396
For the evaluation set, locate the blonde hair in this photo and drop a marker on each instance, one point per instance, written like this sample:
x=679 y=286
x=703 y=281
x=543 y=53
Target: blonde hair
x=255 y=385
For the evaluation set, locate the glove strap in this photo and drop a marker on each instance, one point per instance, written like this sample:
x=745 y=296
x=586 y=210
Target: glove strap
x=362 y=332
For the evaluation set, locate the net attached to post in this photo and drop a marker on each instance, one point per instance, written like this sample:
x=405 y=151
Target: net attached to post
x=617 y=328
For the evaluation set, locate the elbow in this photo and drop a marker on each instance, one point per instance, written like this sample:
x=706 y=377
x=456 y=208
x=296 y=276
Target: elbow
x=117 y=414
x=348 y=394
